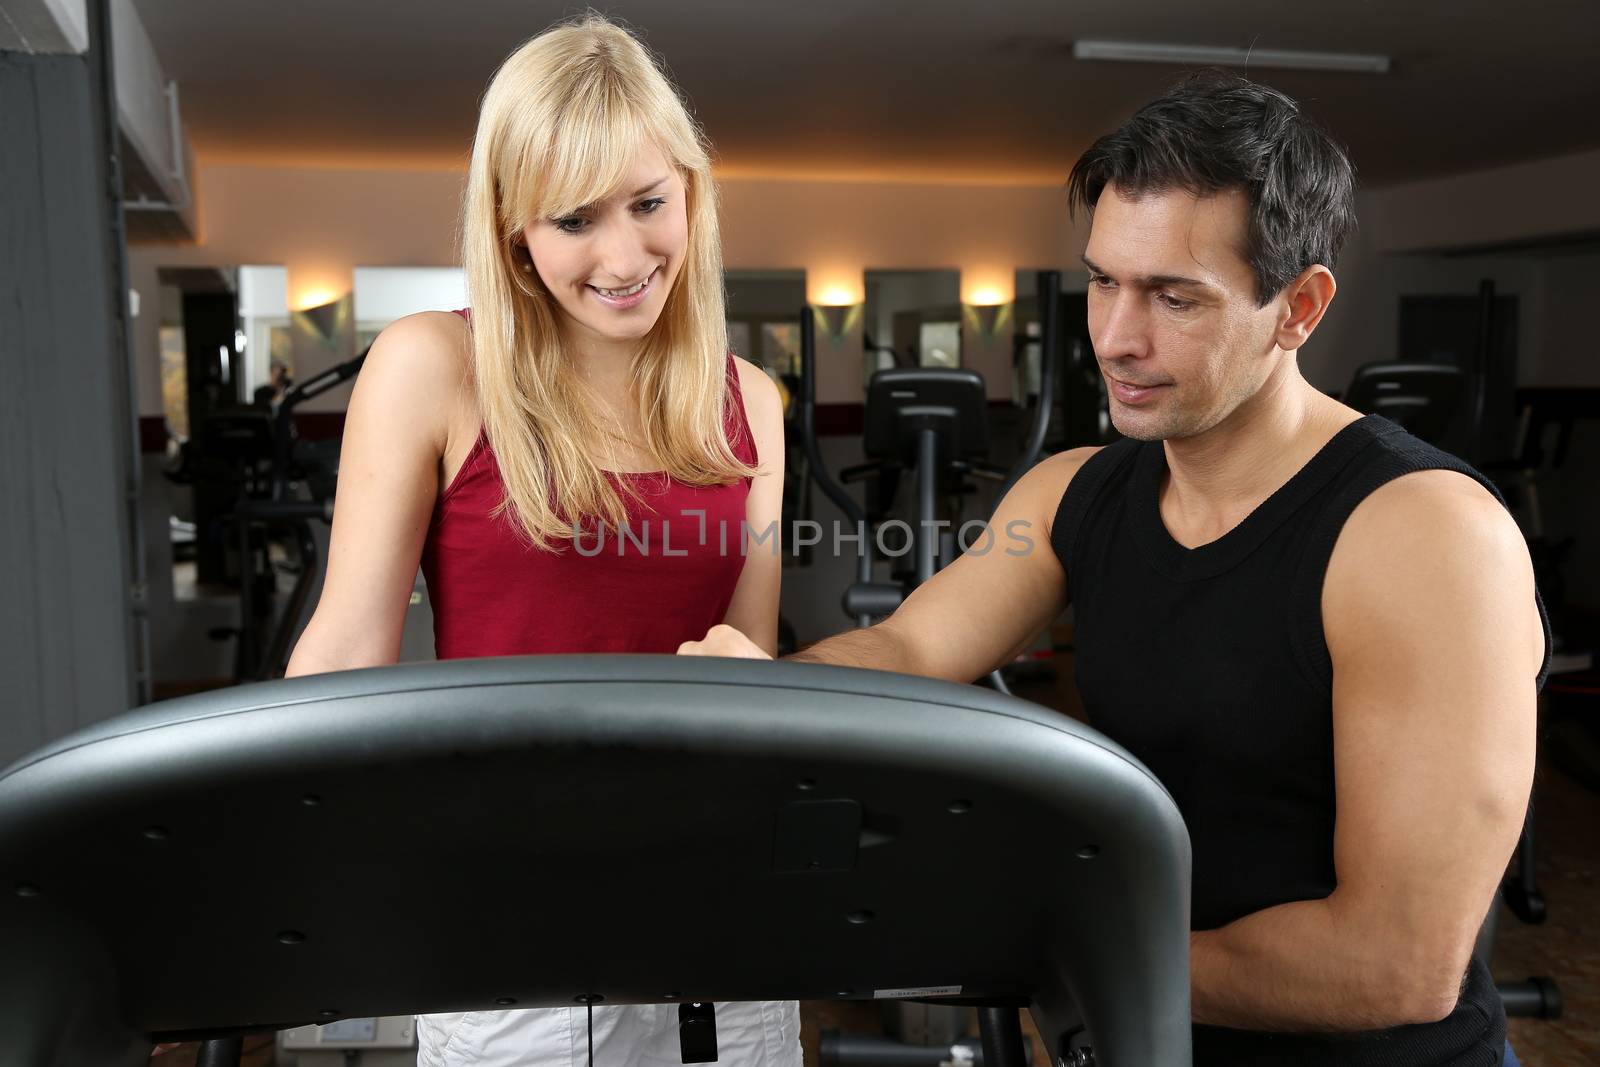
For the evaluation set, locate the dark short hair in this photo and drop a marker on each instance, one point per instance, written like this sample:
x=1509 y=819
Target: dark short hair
x=1215 y=131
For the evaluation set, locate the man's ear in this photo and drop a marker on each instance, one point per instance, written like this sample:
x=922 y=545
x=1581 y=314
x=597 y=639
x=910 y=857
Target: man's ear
x=1306 y=300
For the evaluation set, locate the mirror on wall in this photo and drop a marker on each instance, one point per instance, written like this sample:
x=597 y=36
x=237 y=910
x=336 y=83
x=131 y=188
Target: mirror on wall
x=912 y=319
x=763 y=308
x=224 y=333
x=384 y=294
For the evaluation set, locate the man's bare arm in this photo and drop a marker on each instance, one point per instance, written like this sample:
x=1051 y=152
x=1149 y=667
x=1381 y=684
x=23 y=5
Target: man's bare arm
x=984 y=608
x=976 y=614
x=1430 y=618
x=876 y=647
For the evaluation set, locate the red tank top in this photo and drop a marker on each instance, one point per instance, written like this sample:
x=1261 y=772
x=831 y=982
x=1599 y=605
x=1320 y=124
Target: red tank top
x=666 y=578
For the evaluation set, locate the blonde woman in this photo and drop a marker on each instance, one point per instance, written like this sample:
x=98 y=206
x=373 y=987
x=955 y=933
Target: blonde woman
x=588 y=391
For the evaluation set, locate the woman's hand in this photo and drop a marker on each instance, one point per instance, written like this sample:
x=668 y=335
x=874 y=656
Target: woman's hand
x=724 y=640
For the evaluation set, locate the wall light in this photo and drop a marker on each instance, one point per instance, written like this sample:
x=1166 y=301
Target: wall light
x=987 y=319
x=837 y=320
x=836 y=284
x=1186 y=55
x=987 y=296
x=326 y=321
x=836 y=295
x=315 y=296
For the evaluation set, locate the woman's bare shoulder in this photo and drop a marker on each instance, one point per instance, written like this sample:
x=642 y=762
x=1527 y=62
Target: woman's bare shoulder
x=421 y=367
x=754 y=383
x=429 y=342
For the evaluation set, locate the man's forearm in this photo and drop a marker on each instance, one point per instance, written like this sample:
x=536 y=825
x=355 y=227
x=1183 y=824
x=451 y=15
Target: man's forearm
x=1301 y=966
x=878 y=648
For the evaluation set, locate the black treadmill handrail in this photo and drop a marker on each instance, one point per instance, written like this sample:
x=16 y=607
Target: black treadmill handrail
x=809 y=807
x=407 y=679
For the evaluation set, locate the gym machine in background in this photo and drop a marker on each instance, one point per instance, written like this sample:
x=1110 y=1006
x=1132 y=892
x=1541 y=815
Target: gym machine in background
x=269 y=487
x=1082 y=413
x=932 y=421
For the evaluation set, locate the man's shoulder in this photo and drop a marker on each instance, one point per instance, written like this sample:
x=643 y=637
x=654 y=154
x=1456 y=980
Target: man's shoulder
x=1429 y=511
x=1056 y=473
x=1425 y=544
x=1051 y=479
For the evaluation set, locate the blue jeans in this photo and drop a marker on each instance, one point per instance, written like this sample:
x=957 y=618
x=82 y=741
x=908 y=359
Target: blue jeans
x=1510 y=1059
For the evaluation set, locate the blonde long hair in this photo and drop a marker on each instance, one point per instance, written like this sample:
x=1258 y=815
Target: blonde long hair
x=560 y=125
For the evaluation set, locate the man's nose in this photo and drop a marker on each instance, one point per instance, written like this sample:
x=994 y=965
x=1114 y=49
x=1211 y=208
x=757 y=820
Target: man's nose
x=1120 y=329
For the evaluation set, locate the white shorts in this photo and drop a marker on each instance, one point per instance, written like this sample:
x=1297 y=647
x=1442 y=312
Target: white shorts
x=751 y=1034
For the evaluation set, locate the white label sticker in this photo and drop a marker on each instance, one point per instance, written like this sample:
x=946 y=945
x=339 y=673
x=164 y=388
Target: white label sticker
x=350 y=1030
x=923 y=991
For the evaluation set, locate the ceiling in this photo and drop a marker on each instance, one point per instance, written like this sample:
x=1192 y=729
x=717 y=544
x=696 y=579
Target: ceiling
x=943 y=90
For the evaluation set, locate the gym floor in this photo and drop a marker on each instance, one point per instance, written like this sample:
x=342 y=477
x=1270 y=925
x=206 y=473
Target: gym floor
x=1565 y=948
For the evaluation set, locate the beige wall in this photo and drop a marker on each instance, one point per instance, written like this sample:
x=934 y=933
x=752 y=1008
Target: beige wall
x=1499 y=206
x=1568 y=353
x=1363 y=324
x=1418 y=239
x=321 y=224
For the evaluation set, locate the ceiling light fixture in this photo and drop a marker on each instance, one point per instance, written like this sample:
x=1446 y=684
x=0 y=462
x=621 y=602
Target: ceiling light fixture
x=1202 y=55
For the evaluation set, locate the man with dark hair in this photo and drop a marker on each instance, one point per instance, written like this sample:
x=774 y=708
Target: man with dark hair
x=1321 y=634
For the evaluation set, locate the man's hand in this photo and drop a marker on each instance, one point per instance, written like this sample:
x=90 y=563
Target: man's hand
x=724 y=640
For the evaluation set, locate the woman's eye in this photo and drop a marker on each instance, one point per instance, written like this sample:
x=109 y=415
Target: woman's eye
x=648 y=207
x=570 y=224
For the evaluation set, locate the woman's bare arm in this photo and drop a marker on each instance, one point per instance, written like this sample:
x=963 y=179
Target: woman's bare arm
x=754 y=610
x=395 y=434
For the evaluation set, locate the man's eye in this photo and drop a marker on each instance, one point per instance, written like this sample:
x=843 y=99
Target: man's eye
x=1173 y=302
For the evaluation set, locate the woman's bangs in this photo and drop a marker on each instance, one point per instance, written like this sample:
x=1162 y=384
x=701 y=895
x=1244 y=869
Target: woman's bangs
x=591 y=160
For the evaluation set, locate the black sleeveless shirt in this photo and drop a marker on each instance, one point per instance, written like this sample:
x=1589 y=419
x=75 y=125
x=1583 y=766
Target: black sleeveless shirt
x=1210 y=666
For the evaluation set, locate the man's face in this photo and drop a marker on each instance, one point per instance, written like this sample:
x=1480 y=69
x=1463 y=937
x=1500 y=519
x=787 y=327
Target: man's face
x=1172 y=311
